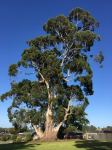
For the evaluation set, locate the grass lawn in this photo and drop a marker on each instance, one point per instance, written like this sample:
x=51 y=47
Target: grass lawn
x=60 y=145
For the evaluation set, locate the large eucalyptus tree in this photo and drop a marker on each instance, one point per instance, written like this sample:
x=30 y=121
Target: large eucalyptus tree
x=61 y=63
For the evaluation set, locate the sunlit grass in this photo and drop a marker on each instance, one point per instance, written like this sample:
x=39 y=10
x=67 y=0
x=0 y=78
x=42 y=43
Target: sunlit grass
x=60 y=145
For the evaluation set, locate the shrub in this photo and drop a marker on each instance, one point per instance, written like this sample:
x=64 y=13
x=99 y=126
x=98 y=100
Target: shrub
x=19 y=139
x=4 y=138
x=13 y=137
x=28 y=137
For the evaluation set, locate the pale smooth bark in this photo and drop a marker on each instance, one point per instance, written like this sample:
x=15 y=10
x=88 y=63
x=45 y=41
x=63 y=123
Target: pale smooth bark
x=38 y=131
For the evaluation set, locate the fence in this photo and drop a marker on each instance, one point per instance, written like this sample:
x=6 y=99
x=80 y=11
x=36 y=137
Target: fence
x=98 y=136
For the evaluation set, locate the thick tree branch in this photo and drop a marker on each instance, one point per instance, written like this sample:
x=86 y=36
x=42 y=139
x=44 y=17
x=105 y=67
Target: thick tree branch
x=67 y=113
x=38 y=131
x=43 y=80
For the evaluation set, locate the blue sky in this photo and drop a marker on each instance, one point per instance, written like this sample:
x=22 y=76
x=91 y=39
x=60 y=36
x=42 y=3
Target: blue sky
x=22 y=20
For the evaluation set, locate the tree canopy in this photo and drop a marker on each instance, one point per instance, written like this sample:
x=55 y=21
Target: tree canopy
x=60 y=60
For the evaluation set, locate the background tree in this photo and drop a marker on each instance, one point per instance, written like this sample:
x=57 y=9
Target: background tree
x=108 y=129
x=91 y=129
x=63 y=76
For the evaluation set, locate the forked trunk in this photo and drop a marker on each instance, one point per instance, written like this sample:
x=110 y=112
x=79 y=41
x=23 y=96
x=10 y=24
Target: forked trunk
x=50 y=132
x=38 y=131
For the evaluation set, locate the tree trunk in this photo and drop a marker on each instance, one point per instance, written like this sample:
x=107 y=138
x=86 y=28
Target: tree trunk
x=50 y=135
x=38 y=131
x=50 y=132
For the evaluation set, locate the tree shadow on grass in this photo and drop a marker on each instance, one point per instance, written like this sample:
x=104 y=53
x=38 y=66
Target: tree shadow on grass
x=17 y=146
x=94 y=145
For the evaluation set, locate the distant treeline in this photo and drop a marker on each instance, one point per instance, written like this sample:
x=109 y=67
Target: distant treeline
x=12 y=130
x=93 y=128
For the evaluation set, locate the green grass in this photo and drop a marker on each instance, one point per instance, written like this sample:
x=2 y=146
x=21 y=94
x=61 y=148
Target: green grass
x=60 y=145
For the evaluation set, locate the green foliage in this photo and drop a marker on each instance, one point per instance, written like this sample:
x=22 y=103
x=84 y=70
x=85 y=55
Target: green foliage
x=60 y=56
x=99 y=58
x=19 y=139
x=13 y=137
x=13 y=70
x=70 y=129
x=90 y=129
x=11 y=130
x=108 y=128
x=28 y=137
x=85 y=17
x=4 y=137
x=25 y=137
